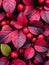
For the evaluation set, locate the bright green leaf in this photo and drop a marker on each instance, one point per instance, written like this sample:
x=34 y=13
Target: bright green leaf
x=5 y=49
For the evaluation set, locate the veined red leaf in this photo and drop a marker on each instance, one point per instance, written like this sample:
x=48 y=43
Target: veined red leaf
x=29 y=53
x=5 y=34
x=47 y=62
x=45 y=16
x=35 y=17
x=18 y=39
x=4 y=61
x=40 y=48
x=9 y=5
x=18 y=62
x=35 y=30
x=21 y=21
x=2 y=15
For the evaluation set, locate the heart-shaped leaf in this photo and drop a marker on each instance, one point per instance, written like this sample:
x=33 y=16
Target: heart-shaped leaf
x=47 y=62
x=18 y=39
x=35 y=30
x=5 y=49
x=18 y=62
x=9 y=5
x=45 y=16
x=29 y=53
x=2 y=15
x=40 y=48
x=4 y=61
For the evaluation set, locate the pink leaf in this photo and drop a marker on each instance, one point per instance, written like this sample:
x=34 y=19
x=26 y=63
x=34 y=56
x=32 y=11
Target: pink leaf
x=2 y=15
x=21 y=21
x=29 y=53
x=18 y=39
x=47 y=62
x=4 y=61
x=40 y=48
x=46 y=33
x=9 y=5
x=5 y=34
x=35 y=30
x=0 y=3
x=18 y=62
x=45 y=16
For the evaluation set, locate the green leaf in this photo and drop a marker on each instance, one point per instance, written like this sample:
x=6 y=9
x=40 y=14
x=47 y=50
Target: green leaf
x=47 y=54
x=5 y=49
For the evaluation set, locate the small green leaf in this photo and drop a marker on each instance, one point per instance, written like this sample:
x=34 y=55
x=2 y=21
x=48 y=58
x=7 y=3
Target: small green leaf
x=47 y=54
x=5 y=49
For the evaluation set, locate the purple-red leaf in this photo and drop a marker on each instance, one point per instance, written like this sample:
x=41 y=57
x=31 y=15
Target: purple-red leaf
x=29 y=53
x=2 y=15
x=9 y=5
x=5 y=34
x=4 y=61
x=18 y=39
x=40 y=48
x=30 y=63
x=45 y=16
x=35 y=30
x=47 y=62
x=18 y=62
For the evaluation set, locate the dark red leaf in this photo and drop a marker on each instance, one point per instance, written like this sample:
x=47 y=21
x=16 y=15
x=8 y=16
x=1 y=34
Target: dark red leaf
x=27 y=2
x=45 y=16
x=21 y=21
x=5 y=34
x=30 y=63
x=18 y=39
x=4 y=61
x=46 y=8
x=18 y=62
x=35 y=30
x=40 y=48
x=9 y=5
x=29 y=53
x=47 y=62
x=2 y=15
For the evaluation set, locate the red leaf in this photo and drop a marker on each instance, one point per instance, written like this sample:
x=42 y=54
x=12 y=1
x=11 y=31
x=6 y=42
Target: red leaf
x=45 y=16
x=2 y=15
x=18 y=39
x=21 y=21
x=46 y=8
x=47 y=62
x=36 y=16
x=28 y=2
x=30 y=63
x=5 y=34
x=35 y=30
x=40 y=48
x=29 y=53
x=9 y=5
x=18 y=62
x=4 y=61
